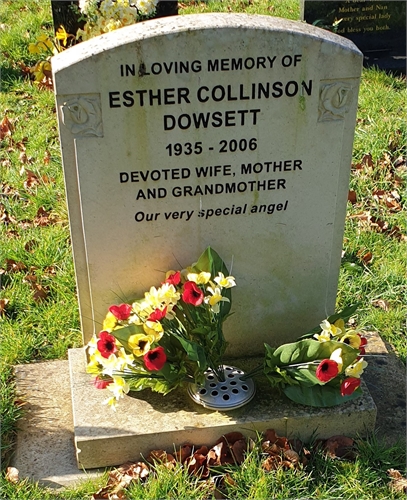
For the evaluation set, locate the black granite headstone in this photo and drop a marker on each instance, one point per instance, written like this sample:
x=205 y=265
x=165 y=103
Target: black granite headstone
x=377 y=27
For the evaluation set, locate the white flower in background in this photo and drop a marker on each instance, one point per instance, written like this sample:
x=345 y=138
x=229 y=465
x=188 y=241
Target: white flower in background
x=146 y=7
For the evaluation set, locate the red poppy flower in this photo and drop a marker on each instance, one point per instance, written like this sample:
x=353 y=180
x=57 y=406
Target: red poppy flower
x=106 y=344
x=349 y=386
x=100 y=383
x=121 y=312
x=174 y=279
x=327 y=370
x=363 y=342
x=192 y=294
x=155 y=359
x=158 y=315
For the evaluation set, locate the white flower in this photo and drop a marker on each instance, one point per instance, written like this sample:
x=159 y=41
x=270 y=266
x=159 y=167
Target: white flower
x=225 y=282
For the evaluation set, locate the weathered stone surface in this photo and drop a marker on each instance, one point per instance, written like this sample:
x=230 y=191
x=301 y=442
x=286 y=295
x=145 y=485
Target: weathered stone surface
x=228 y=130
x=150 y=421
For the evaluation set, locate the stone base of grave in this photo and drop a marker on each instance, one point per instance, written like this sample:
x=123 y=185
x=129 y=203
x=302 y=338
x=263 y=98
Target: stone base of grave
x=150 y=421
x=45 y=445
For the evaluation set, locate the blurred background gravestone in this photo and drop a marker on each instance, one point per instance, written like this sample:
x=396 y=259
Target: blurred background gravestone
x=64 y=13
x=378 y=28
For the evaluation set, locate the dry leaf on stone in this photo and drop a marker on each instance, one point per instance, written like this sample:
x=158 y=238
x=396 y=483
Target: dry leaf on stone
x=398 y=481
x=12 y=475
x=382 y=304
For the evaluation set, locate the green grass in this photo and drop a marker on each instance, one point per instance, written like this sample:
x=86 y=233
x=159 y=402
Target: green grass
x=32 y=329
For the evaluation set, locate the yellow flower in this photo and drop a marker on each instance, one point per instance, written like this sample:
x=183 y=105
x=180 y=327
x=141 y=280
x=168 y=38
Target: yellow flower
x=62 y=35
x=109 y=322
x=339 y=327
x=337 y=357
x=225 y=282
x=94 y=366
x=127 y=359
x=324 y=336
x=351 y=338
x=140 y=344
x=154 y=328
x=43 y=44
x=200 y=279
x=112 y=402
x=356 y=369
x=41 y=70
x=215 y=299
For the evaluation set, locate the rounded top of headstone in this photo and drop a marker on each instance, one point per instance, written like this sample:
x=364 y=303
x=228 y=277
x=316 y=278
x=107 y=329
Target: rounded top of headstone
x=173 y=25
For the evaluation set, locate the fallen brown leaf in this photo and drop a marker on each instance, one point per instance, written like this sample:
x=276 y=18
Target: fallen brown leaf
x=184 y=452
x=43 y=218
x=398 y=481
x=365 y=257
x=13 y=266
x=31 y=180
x=339 y=447
x=382 y=304
x=352 y=198
x=12 y=475
x=40 y=292
x=162 y=457
x=6 y=128
x=3 y=306
x=47 y=157
x=197 y=465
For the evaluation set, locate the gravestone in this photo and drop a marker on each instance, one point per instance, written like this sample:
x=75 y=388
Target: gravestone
x=377 y=27
x=228 y=130
x=233 y=131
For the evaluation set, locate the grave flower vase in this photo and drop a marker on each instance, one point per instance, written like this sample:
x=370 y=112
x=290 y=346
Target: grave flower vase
x=223 y=390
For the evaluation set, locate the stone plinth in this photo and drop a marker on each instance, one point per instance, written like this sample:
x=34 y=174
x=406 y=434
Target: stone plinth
x=150 y=421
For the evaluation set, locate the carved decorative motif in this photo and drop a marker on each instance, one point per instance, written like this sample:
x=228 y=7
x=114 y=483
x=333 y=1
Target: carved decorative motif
x=334 y=100
x=83 y=116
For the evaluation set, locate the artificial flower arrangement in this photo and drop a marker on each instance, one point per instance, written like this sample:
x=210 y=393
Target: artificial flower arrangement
x=174 y=334
x=168 y=338
x=321 y=369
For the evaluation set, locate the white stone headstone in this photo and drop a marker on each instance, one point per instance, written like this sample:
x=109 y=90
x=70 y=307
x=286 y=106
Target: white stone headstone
x=224 y=130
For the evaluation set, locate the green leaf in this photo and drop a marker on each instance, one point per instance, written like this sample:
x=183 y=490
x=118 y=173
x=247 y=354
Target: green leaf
x=322 y=396
x=195 y=352
x=304 y=351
